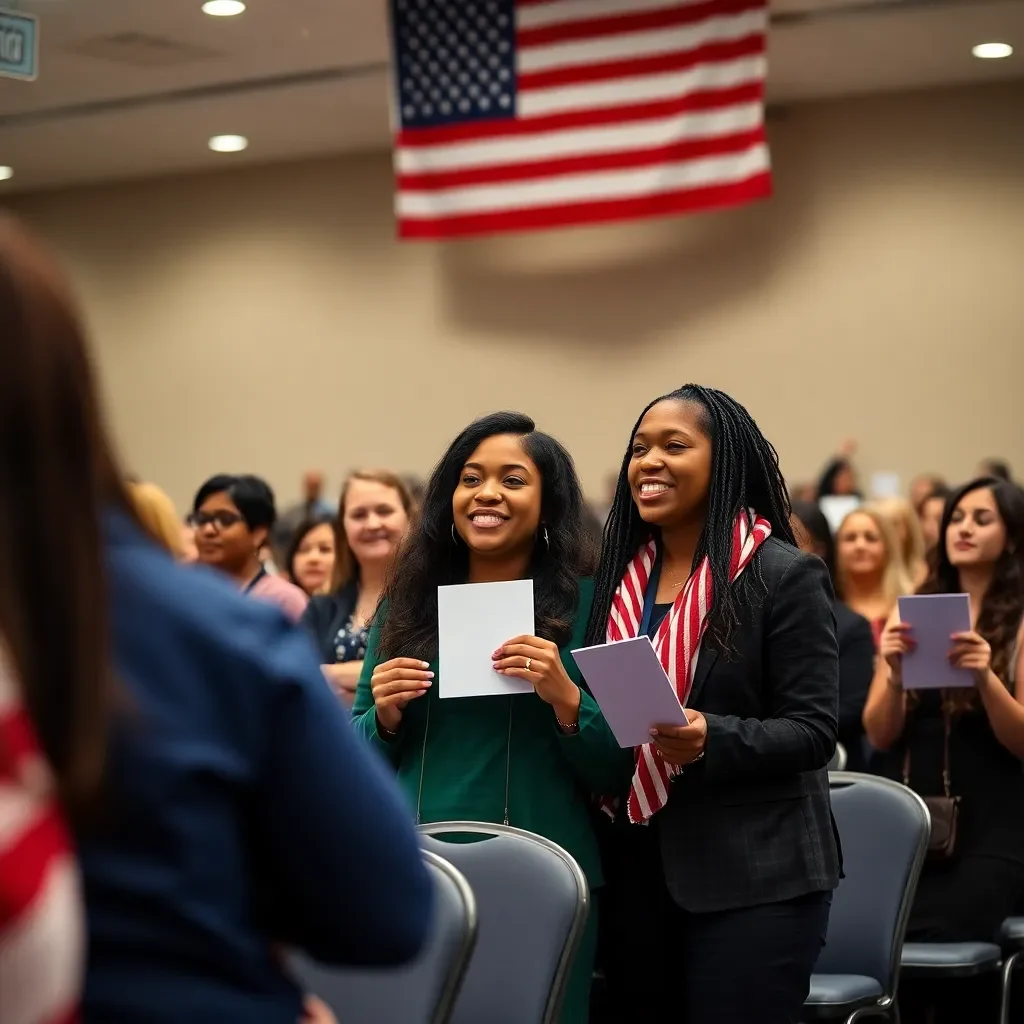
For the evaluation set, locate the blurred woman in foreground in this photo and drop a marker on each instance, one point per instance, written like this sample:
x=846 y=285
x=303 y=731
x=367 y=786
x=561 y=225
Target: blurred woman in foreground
x=214 y=786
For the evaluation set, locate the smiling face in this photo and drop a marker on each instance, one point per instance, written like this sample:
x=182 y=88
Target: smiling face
x=976 y=535
x=670 y=466
x=314 y=559
x=375 y=520
x=860 y=547
x=497 y=504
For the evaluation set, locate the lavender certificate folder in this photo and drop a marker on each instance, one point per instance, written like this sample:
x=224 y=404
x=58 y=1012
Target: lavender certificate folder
x=934 y=619
x=631 y=687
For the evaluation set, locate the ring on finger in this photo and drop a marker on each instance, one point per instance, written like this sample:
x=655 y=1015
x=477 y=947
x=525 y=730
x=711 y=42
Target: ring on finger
x=529 y=662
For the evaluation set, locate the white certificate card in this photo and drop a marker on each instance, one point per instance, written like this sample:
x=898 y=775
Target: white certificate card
x=473 y=621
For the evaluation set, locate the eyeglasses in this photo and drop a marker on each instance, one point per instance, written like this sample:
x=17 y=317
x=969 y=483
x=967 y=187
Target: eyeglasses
x=221 y=519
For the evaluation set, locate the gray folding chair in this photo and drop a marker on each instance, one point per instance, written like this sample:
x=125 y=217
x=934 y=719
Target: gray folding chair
x=1011 y=938
x=533 y=901
x=884 y=829
x=422 y=992
x=839 y=759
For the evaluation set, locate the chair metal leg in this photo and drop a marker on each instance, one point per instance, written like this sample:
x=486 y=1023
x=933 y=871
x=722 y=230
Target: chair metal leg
x=1009 y=965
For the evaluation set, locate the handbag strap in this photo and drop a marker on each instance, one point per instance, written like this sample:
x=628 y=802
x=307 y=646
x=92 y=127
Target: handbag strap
x=947 y=726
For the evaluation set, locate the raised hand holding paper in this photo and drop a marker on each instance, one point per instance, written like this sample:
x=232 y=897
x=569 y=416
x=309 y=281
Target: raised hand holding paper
x=632 y=689
x=473 y=619
x=933 y=619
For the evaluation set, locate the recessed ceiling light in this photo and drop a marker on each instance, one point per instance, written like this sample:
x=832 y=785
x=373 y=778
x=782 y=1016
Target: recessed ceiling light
x=223 y=8
x=992 y=51
x=6 y=172
x=228 y=143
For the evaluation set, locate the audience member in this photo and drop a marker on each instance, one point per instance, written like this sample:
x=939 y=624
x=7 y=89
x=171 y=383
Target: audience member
x=869 y=571
x=504 y=503
x=717 y=910
x=922 y=487
x=309 y=563
x=373 y=516
x=997 y=468
x=853 y=635
x=930 y=514
x=232 y=517
x=157 y=514
x=312 y=506
x=215 y=787
x=910 y=546
x=966 y=743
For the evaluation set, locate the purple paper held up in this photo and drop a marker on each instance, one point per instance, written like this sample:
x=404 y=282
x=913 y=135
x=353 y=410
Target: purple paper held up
x=632 y=689
x=934 y=618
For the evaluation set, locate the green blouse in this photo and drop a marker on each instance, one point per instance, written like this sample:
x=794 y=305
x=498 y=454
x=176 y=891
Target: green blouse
x=504 y=758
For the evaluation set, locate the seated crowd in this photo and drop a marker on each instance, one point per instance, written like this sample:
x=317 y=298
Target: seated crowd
x=221 y=803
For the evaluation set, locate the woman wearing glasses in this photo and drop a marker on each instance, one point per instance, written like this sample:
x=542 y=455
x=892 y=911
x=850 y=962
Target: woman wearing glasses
x=232 y=517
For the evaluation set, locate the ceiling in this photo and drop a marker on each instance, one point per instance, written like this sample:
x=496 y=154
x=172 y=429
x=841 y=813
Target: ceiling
x=132 y=88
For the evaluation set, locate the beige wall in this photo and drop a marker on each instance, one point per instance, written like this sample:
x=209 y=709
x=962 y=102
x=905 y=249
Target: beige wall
x=266 y=320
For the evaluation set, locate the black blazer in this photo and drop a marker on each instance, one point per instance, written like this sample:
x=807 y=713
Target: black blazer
x=856 y=669
x=751 y=823
x=325 y=615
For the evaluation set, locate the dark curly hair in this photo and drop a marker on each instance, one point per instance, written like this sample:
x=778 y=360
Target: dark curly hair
x=1001 y=611
x=744 y=474
x=429 y=558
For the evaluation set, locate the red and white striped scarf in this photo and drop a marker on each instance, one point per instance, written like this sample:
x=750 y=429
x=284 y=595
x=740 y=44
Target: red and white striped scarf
x=677 y=643
x=42 y=931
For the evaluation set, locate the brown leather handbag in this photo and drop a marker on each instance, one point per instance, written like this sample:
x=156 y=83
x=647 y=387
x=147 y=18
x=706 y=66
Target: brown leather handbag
x=944 y=810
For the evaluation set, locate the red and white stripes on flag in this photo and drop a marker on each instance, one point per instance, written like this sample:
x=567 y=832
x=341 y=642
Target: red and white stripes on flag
x=677 y=643
x=609 y=110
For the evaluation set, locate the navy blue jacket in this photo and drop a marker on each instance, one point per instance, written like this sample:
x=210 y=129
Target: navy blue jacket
x=243 y=813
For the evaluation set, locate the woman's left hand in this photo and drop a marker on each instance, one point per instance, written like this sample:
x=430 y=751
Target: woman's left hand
x=972 y=652
x=682 y=744
x=539 y=663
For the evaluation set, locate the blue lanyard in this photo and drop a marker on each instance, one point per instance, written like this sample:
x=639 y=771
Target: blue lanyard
x=651 y=595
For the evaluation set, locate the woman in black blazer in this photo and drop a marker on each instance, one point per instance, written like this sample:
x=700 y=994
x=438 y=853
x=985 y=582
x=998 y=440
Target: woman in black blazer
x=722 y=858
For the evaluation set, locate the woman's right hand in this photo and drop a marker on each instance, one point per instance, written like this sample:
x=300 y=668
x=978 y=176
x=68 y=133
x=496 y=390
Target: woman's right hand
x=897 y=640
x=393 y=684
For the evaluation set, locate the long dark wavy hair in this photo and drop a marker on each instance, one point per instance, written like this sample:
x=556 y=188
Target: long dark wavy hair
x=1002 y=609
x=744 y=474
x=430 y=558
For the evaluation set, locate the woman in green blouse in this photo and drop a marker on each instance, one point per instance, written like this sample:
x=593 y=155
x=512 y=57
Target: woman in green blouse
x=503 y=504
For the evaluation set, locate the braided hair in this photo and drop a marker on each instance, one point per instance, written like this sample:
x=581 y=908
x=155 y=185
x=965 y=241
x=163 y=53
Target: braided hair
x=744 y=474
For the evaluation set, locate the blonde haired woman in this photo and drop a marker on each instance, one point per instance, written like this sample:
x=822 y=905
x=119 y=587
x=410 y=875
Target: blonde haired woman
x=374 y=512
x=158 y=515
x=870 y=574
x=909 y=536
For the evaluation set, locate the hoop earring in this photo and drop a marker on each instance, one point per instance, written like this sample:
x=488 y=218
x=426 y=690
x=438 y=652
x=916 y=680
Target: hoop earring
x=455 y=538
x=545 y=538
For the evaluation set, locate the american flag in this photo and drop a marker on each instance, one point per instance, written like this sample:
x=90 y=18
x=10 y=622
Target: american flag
x=521 y=114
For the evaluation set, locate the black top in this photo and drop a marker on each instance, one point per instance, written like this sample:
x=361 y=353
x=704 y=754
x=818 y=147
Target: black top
x=326 y=616
x=987 y=777
x=856 y=668
x=660 y=611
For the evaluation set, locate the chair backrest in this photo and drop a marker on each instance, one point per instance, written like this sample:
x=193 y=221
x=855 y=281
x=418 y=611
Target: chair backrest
x=533 y=902
x=839 y=759
x=884 y=829
x=422 y=992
